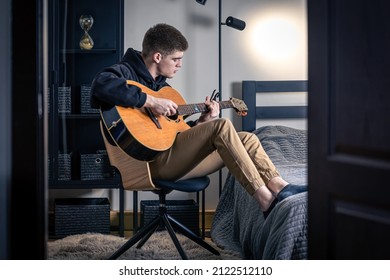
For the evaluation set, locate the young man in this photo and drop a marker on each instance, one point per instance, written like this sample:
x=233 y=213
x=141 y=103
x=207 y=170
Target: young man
x=210 y=144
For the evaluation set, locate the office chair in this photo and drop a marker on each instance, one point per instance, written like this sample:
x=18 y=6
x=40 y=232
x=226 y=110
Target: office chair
x=126 y=166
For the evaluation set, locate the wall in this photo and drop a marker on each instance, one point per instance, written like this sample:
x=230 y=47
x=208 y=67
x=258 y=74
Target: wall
x=273 y=46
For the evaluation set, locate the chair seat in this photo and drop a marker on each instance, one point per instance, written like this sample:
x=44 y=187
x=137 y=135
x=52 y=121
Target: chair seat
x=188 y=185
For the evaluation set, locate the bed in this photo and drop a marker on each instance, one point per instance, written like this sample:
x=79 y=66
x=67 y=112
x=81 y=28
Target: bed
x=238 y=223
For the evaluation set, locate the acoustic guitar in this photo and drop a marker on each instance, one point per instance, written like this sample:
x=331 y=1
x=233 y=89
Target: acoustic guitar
x=142 y=135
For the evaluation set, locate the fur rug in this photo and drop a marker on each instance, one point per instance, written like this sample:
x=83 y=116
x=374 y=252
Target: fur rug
x=95 y=246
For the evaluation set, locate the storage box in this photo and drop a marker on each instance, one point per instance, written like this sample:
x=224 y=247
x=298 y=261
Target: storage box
x=64 y=99
x=96 y=166
x=64 y=172
x=184 y=211
x=81 y=215
x=85 y=97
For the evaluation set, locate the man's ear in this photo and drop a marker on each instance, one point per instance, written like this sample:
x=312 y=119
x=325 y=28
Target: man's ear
x=157 y=57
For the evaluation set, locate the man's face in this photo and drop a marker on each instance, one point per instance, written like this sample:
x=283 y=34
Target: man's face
x=170 y=64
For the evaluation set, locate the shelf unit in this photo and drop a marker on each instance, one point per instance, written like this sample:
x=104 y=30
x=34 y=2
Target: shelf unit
x=77 y=158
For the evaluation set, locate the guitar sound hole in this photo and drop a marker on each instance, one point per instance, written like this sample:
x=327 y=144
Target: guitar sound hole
x=173 y=117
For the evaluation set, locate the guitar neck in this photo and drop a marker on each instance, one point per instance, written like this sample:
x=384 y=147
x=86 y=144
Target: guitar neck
x=190 y=109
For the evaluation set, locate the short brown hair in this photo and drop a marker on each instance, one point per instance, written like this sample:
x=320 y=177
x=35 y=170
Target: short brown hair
x=163 y=38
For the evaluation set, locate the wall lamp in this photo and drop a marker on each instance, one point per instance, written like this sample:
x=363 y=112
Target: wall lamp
x=202 y=2
x=235 y=23
x=230 y=21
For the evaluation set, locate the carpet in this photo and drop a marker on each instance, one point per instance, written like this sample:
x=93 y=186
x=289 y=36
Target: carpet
x=95 y=246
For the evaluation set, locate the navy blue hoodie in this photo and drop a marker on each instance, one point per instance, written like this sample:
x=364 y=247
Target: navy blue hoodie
x=109 y=87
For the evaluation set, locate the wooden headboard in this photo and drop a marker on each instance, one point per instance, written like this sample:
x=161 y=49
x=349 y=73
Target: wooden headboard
x=251 y=88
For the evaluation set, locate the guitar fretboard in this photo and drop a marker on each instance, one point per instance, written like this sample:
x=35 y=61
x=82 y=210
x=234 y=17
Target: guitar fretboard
x=190 y=109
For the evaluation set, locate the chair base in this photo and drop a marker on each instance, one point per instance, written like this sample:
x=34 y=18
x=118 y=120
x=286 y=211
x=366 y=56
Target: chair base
x=169 y=224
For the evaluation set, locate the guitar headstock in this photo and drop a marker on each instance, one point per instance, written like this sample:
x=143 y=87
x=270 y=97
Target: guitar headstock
x=239 y=106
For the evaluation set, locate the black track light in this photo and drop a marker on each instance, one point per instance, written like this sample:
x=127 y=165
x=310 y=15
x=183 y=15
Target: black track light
x=235 y=23
x=202 y=2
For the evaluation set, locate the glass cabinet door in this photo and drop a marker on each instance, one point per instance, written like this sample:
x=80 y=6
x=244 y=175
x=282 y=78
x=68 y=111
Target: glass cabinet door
x=85 y=36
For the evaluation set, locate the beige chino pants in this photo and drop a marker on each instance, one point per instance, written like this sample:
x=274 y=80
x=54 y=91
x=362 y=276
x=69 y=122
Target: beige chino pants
x=209 y=146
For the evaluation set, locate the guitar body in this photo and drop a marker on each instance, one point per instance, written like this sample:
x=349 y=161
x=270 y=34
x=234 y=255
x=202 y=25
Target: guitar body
x=142 y=135
x=135 y=132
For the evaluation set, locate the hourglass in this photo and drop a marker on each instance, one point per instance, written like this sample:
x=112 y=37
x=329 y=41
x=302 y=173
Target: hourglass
x=86 y=22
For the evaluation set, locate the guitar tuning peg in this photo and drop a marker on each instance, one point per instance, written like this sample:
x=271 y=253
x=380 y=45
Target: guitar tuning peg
x=213 y=95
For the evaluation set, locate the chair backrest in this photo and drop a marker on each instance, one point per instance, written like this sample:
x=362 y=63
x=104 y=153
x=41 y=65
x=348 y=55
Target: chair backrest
x=135 y=174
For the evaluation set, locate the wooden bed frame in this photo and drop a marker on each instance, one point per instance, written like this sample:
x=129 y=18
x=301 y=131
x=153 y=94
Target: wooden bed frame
x=251 y=88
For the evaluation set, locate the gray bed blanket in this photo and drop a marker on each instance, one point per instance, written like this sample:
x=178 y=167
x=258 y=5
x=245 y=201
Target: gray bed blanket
x=239 y=224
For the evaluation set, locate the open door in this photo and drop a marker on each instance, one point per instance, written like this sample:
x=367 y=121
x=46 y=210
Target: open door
x=349 y=129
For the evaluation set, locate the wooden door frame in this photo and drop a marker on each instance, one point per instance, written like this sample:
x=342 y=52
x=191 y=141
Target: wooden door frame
x=5 y=127
x=28 y=209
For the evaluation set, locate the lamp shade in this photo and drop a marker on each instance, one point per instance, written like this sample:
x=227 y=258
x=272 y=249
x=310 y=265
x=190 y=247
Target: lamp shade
x=235 y=23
